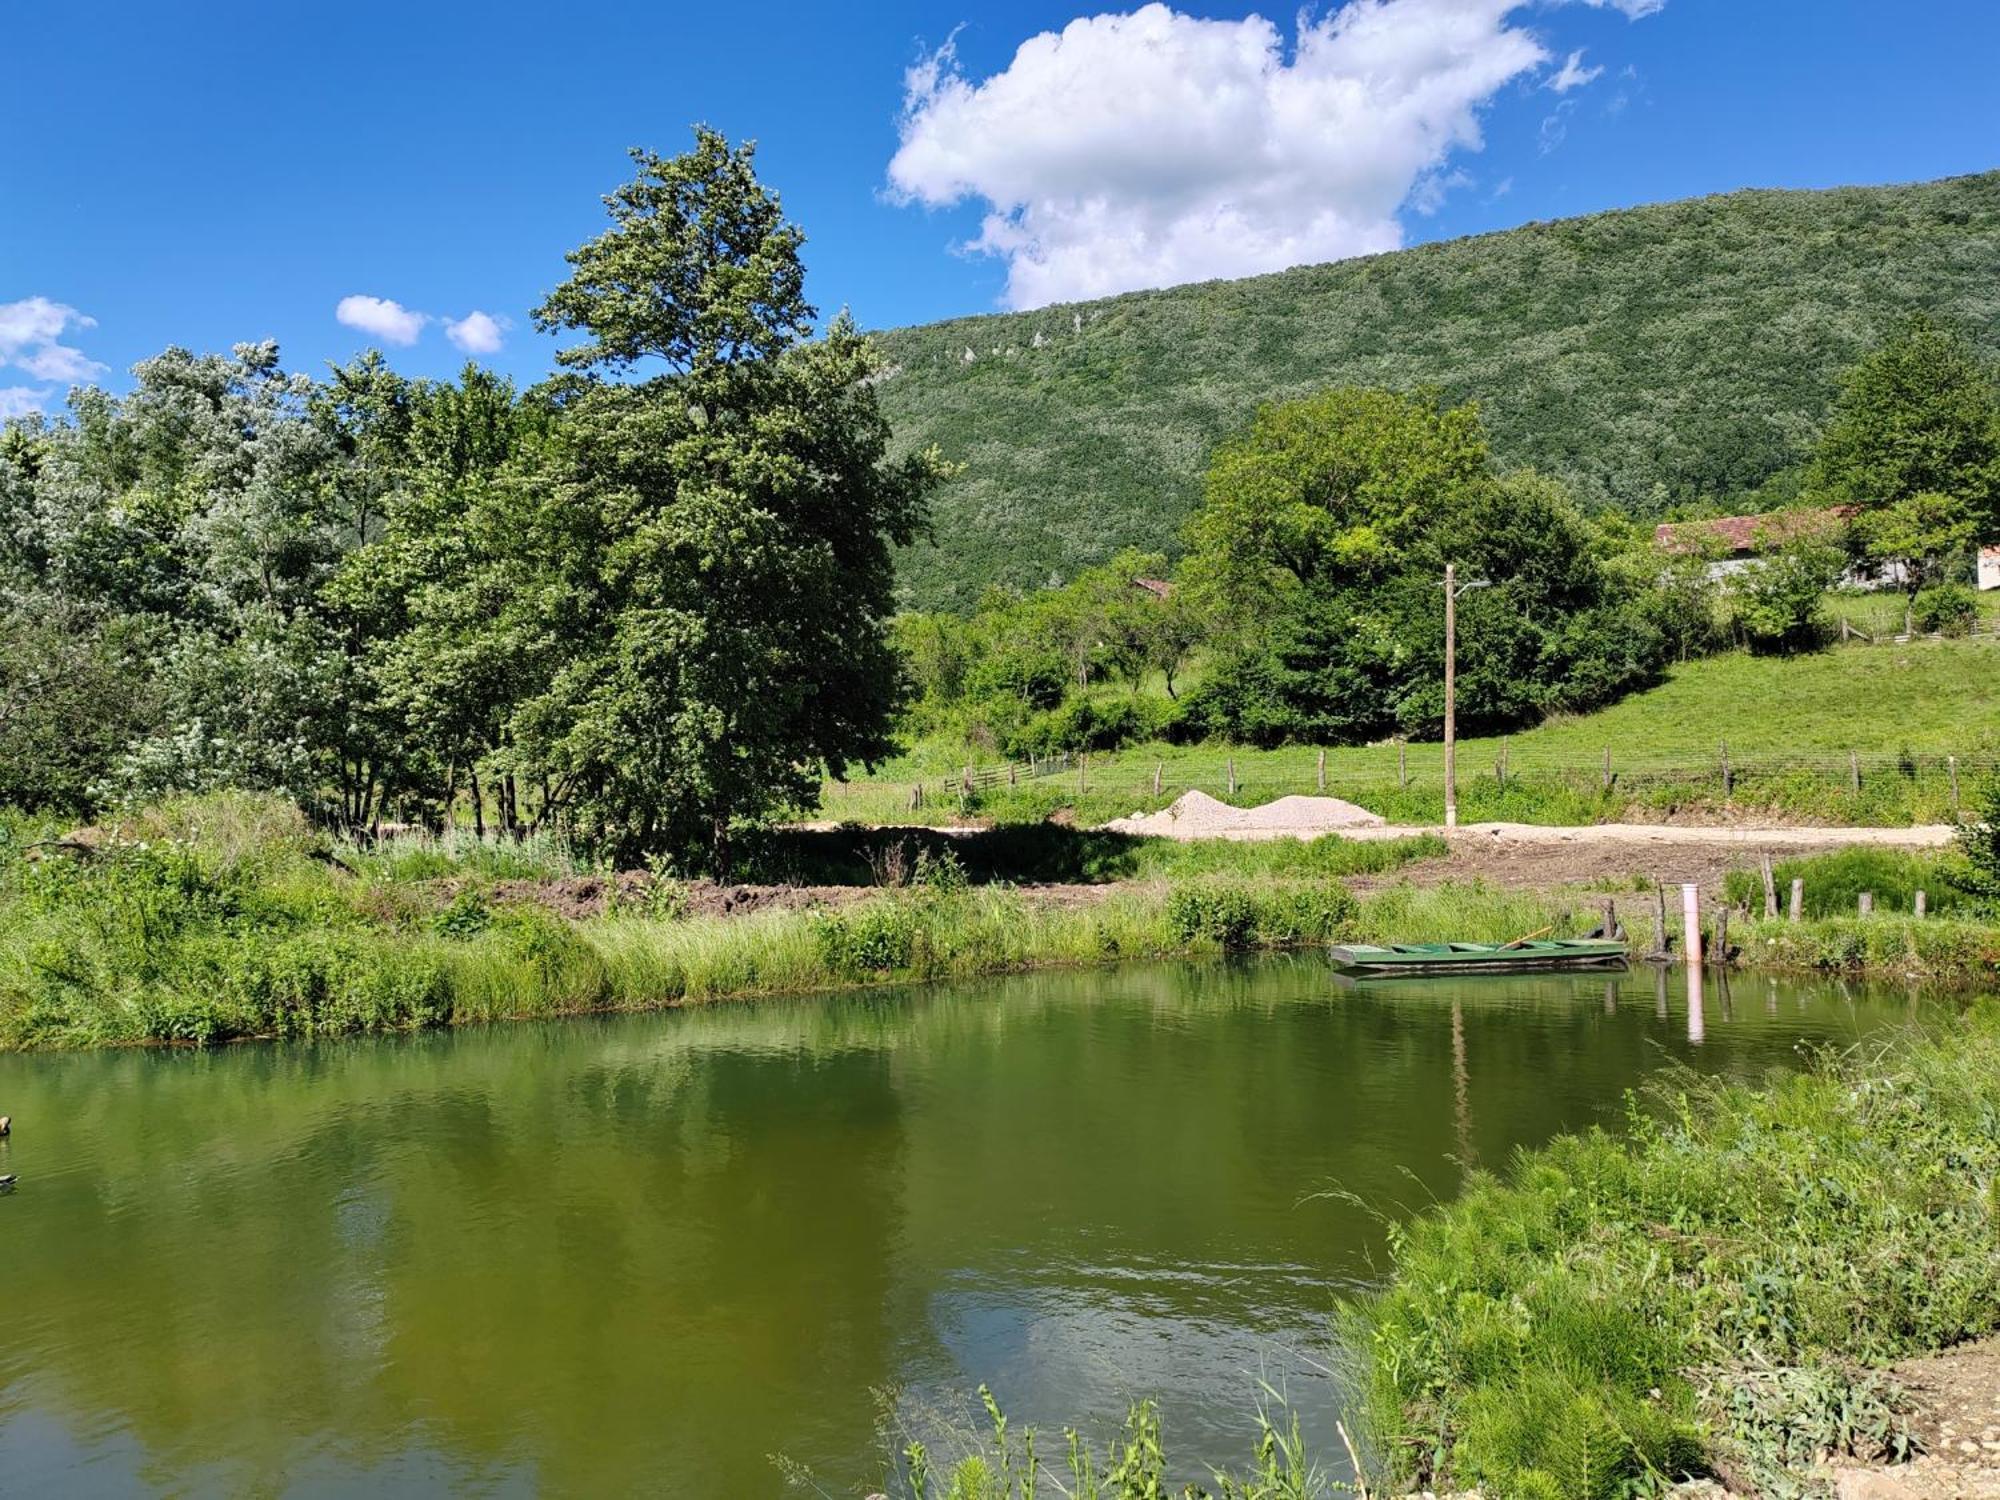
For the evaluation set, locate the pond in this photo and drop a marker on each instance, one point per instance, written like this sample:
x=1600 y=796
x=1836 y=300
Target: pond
x=644 y=1254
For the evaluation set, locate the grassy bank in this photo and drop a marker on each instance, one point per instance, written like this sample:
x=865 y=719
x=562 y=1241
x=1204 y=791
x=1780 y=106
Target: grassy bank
x=1790 y=725
x=207 y=921
x=1707 y=1295
x=210 y=920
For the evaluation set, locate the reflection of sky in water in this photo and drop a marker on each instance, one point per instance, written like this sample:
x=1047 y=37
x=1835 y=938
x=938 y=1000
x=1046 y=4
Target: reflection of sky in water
x=1099 y=1338
x=589 y=1257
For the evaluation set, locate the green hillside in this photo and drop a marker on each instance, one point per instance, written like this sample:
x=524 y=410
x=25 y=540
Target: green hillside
x=1648 y=356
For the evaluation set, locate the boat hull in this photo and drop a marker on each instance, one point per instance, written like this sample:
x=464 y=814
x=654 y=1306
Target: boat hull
x=1429 y=960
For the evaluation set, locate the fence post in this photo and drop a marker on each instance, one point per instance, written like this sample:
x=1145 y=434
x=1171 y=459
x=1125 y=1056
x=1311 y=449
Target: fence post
x=1607 y=768
x=1951 y=764
x=1665 y=947
x=1854 y=771
x=1798 y=909
x=1866 y=903
x=1770 y=887
x=1082 y=772
x=1403 y=764
x=1322 y=770
x=1727 y=782
x=1013 y=778
x=1720 y=957
x=1158 y=768
x=1920 y=903
x=1232 y=776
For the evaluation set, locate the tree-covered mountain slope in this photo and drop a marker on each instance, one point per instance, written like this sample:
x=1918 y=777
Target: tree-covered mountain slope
x=1648 y=356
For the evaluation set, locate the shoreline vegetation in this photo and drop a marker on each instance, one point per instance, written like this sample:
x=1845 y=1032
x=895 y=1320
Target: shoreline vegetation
x=1715 y=1293
x=208 y=920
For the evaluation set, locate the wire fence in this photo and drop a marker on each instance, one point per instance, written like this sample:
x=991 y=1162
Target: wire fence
x=1417 y=767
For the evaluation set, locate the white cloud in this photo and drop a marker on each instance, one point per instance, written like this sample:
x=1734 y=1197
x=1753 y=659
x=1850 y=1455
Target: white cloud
x=1555 y=127
x=1152 y=148
x=58 y=362
x=1428 y=192
x=29 y=330
x=389 y=321
x=476 y=332
x=1573 y=74
x=1632 y=10
x=18 y=401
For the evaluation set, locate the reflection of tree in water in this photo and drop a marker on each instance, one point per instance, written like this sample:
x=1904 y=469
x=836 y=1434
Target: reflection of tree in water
x=1461 y=1087
x=585 y=1255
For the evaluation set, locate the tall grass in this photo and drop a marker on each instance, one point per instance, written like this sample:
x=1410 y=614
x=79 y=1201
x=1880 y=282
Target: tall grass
x=1704 y=1296
x=231 y=921
x=1833 y=883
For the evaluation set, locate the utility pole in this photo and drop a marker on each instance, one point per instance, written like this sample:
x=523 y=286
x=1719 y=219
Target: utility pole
x=1451 y=695
x=1452 y=589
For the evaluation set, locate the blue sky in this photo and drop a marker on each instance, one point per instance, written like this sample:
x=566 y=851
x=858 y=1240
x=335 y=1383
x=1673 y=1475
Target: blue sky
x=208 y=173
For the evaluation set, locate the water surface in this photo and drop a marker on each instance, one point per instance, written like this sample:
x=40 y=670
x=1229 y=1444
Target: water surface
x=643 y=1254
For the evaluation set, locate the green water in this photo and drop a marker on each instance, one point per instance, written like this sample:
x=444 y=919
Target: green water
x=640 y=1255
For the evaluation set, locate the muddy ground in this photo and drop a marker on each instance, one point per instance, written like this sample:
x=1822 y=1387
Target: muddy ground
x=1510 y=863
x=1955 y=1419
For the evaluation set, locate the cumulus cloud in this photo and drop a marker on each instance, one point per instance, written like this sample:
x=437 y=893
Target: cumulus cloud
x=18 y=401
x=1572 y=74
x=386 y=320
x=476 y=332
x=30 y=331
x=1151 y=148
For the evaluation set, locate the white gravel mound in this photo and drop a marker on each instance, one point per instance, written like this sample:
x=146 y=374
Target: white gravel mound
x=1196 y=815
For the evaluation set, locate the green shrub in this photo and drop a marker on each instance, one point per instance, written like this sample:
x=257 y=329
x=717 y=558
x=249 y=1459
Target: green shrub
x=1213 y=912
x=875 y=938
x=1945 y=608
x=1318 y=913
x=466 y=914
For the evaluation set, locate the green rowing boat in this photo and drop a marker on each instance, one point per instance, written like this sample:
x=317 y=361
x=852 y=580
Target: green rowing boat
x=1531 y=955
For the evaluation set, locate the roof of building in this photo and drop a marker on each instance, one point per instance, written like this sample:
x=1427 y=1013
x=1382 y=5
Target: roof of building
x=1158 y=587
x=1737 y=533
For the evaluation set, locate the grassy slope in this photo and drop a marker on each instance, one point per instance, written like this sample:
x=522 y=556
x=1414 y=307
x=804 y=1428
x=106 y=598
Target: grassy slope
x=1929 y=697
x=1671 y=352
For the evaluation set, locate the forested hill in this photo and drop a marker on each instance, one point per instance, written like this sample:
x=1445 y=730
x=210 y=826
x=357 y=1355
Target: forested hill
x=1678 y=352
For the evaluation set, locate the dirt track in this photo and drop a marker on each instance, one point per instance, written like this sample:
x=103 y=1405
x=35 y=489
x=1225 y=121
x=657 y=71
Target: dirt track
x=1513 y=856
x=1524 y=857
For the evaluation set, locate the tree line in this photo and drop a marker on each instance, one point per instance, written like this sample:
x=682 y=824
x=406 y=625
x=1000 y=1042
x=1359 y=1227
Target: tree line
x=651 y=599
x=1310 y=588
x=646 y=599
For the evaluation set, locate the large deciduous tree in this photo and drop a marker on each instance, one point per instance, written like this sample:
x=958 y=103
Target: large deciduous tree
x=717 y=522
x=1913 y=443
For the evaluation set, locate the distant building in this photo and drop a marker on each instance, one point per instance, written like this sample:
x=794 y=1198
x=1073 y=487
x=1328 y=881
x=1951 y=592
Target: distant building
x=1159 y=588
x=1739 y=539
x=1989 y=567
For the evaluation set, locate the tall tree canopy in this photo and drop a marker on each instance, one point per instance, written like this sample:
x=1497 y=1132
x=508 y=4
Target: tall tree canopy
x=1913 y=443
x=1319 y=552
x=720 y=530
x=646 y=601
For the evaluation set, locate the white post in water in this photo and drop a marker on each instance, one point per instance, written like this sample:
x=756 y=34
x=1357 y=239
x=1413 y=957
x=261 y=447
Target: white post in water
x=1691 y=950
